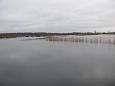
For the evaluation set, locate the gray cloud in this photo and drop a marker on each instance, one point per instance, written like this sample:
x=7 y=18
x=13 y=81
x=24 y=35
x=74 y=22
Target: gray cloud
x=57 y=15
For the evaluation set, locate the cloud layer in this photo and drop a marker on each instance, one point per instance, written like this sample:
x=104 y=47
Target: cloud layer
x=57 y=15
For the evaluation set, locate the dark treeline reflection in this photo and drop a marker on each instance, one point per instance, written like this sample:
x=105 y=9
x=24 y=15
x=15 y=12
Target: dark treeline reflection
x=45 y=63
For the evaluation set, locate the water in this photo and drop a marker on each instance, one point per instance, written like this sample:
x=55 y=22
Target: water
x=45 y=63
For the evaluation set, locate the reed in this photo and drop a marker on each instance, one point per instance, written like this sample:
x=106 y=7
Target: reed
x=108 y=39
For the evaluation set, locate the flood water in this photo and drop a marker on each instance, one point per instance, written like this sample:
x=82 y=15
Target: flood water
x=45 y=63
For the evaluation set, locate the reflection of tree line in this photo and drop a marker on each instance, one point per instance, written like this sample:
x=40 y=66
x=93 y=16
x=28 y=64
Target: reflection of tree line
x=38 y=34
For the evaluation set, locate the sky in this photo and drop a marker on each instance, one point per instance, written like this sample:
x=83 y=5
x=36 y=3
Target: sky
x=57 y=15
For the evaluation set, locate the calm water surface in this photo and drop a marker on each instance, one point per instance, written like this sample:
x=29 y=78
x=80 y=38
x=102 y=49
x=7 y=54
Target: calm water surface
x=44 y=63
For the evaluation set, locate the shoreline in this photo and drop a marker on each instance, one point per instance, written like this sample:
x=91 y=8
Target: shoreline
x=42 y=34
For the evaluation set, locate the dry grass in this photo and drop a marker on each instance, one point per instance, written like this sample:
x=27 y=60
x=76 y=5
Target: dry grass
x=108 y=39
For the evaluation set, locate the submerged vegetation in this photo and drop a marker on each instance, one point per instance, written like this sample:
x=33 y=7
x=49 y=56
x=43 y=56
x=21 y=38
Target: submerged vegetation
x=86 y=37
x=108 y=39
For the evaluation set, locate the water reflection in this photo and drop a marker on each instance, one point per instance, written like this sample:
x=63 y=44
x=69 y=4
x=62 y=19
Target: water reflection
x=43 y=63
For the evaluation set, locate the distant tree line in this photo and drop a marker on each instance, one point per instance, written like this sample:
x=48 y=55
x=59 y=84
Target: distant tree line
x=38 y=34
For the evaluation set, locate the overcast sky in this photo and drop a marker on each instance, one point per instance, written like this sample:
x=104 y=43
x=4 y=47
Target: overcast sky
x=57 y=15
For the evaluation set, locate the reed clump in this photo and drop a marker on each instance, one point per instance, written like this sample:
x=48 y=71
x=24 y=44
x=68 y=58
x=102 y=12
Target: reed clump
x=84 y=39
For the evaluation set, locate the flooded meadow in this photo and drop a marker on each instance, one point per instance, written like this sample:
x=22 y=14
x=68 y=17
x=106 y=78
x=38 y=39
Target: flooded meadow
x=58 y=61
